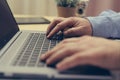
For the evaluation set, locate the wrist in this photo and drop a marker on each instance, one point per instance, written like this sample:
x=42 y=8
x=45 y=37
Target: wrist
x=89 y=27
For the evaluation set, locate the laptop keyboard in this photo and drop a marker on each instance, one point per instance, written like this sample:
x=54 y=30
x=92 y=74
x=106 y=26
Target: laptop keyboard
x=36 y=44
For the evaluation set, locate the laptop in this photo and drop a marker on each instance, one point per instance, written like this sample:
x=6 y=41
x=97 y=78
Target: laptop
x=20 y=52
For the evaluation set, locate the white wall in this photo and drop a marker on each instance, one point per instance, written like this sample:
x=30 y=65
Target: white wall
x=33 y=7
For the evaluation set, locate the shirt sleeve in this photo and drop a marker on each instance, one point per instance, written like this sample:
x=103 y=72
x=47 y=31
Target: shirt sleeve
x=107 y=24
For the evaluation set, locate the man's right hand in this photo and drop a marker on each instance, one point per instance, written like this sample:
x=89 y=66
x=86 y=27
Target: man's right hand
x=71 y=27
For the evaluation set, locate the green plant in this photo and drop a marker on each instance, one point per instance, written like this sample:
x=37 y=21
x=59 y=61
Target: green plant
x=67 y=3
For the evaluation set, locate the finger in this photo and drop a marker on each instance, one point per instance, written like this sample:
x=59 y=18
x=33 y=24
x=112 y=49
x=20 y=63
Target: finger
x=61 y=26
x=53 y=24
x=77 y=59
x=76 y=31
x=88 y=56
x=51 y=52
x=72 y=32
x=46 y=55
x=73 y=61
x=68 y=40
x=58 y=47
x=60 y=54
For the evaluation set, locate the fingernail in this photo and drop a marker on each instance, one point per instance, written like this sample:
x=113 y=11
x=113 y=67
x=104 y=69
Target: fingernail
x=47 y=36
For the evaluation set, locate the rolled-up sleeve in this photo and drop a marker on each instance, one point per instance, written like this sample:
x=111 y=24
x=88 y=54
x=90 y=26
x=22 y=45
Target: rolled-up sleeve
x=107 y=24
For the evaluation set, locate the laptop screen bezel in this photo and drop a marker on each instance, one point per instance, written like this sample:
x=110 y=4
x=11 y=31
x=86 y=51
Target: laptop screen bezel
x=7 y=22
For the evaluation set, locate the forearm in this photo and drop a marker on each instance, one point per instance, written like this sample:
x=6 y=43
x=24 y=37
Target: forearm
x=106 y=25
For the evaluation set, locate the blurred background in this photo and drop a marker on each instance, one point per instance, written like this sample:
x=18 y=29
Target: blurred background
x=37 y=7
x=48 y=7
x=33 y=7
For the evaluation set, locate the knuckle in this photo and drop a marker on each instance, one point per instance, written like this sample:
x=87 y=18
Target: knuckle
x=72 y=31
x=71 y=19
x=56 y=20
x=58 y=25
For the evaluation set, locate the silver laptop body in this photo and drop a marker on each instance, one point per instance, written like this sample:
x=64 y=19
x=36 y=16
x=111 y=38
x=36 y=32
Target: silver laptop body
x=20 y=52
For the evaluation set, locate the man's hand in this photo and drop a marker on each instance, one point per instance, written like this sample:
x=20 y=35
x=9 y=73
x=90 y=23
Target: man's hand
x=70 y=27
x=84 y=50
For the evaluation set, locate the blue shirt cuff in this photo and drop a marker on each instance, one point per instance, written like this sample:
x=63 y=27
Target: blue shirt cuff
x=106 y=24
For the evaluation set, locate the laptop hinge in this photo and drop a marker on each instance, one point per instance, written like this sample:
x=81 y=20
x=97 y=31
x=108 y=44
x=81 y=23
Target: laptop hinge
x=13 y=39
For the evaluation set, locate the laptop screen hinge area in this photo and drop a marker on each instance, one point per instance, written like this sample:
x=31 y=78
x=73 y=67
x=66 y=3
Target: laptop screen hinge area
x=5 y=48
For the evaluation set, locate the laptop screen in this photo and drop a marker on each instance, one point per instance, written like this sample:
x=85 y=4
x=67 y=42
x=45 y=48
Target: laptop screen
x=8 y=25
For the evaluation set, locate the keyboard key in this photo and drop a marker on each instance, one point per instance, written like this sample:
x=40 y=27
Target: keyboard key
x=36 y=44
